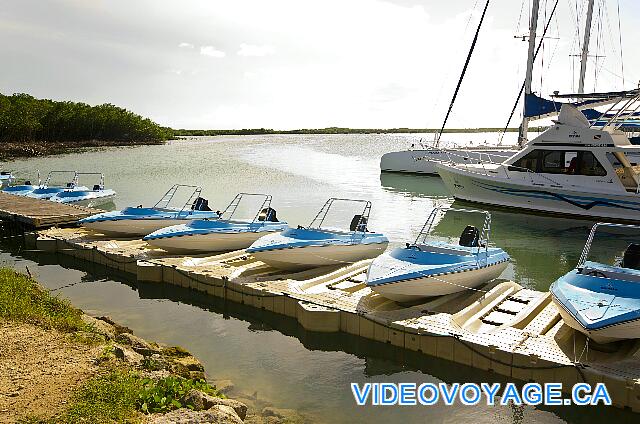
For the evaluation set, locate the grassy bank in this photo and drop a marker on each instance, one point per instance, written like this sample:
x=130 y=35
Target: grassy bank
x=116 y=390
x=23 y=300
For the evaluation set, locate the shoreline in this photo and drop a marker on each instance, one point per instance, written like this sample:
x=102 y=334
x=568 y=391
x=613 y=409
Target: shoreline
x=58 y=363
x=12 y=150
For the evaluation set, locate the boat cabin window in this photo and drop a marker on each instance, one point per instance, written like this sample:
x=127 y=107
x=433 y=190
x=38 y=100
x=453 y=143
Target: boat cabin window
x=560 y=162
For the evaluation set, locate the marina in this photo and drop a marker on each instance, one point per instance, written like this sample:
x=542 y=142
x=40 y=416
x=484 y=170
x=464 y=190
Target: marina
x=264 y=233
x=503 y=328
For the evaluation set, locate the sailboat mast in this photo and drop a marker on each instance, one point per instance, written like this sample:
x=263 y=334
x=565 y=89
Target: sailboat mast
x=585 y=47
x=533 y=27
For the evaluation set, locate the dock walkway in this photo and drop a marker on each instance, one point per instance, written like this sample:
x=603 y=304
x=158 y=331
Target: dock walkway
x=37 y=213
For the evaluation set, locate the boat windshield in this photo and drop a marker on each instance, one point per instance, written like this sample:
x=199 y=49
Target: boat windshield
x=565 y=162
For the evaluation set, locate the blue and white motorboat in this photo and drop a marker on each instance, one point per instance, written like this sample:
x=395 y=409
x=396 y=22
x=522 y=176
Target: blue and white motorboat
x=428 y=267
x=316 y=246
x=22 y=189
x=97 y=196
x=602 y=301
x=140 y=221
x=6 y=178
x=218 y=235
x=47 y=190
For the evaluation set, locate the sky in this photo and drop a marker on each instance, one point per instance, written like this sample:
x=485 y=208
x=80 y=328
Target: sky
x=287 y=64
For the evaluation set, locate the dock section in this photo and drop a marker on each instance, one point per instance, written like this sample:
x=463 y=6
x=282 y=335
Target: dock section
x=503 y=327
x=33 y=213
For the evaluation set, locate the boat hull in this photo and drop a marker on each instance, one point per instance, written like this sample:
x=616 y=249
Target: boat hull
x=298 y=258
x=212 y=242
x=423 y=161
x=541 y=198
x=439 y=285
x=92 y=202
x=131 y=227
x=623 y=331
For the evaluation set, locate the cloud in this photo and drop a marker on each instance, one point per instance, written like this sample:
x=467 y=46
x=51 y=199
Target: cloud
x=186 y=45
x=252 y=50
x=211 y=51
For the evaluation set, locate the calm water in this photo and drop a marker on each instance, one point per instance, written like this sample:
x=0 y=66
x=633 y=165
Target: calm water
x=270 y=355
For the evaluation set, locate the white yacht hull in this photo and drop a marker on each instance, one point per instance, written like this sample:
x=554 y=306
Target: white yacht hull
x=624 y=331
x=201 y=243
x=131 y=227
x=422 y=161
x=298 y=258
x=539 y=197
x=409 y=290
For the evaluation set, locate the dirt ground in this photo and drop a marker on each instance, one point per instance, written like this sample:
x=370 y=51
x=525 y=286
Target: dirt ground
x=39 y=369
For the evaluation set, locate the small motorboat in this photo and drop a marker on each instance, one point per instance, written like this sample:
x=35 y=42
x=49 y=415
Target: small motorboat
x=97 y=196
x=22 y=189
x=602 y=301
x=6 y=178
x=316 y=246
x=47 y=190
x=428 y=268
x=139 y=221
x=218 y=235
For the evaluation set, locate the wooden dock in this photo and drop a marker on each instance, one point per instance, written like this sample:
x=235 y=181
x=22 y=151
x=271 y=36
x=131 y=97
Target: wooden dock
x=36 y=213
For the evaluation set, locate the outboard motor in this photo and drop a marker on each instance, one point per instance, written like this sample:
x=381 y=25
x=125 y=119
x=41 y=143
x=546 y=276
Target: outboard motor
x=201 y=204
x=469 y=237
x=358 y=223
x=268 y=214
x=631 y=257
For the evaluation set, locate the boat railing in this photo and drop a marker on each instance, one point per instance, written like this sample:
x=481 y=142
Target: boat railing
x=592 y=234
x=483 y=241
x=232 y=208
x=361 y=226
x=166 y=199
x=73 y=182
x=101 y=180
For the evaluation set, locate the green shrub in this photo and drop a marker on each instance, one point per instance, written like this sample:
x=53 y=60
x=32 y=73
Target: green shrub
x=167 y=393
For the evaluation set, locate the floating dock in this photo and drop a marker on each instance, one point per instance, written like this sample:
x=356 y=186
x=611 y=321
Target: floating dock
x=504 y=327
x=28 y=212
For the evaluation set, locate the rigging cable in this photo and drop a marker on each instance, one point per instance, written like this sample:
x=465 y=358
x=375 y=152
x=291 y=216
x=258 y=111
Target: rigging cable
x=464 y=70
x=534 y=59
x=620 y=34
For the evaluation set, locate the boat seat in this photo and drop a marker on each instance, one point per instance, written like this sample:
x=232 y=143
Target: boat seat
x=268 y=214
x=27 y=182
x=69 y=185
x=358 y=223
x=631 y=257
x=469 y=237
x=96 y=187
x=201 y=204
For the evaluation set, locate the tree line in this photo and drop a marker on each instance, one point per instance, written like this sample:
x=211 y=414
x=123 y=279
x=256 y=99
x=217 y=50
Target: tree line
x=24 y=118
